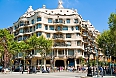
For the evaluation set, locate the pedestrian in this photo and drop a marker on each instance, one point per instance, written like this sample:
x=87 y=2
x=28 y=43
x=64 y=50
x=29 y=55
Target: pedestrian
x=101 y=71
x=28 y=70
x=22 y=69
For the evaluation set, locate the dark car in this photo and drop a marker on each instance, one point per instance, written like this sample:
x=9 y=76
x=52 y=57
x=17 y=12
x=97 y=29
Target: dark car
x=17 y=69
x=1 y=67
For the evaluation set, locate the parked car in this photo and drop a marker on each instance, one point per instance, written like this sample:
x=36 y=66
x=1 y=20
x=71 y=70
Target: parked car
x=1 y=67
x=17 y=69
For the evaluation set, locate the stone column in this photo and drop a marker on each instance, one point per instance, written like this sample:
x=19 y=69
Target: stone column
x=67 y=52
x=65 y=65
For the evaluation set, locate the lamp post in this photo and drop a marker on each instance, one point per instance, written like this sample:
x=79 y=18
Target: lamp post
x=109 y=56
x=88 y=49
x=97 y=61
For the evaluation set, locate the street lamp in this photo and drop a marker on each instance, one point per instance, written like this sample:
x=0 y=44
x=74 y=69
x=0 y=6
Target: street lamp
x=30 y=56
x=97 y=60
x=88 y=49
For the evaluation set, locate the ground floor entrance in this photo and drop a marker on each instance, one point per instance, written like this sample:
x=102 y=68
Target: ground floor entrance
x=59 y=63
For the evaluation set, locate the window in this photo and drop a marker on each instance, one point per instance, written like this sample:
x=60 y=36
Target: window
x=58 y=28
x=32 y=21
x=34 y=28
x=70 y=52
x=48 y=35
x=51 y=27
x=24 y=37
x=78 y=34
x=21 y=30
x=46 y=27
x=39 y=19
x=72 y=28
x=38 y=26
x=56 y=21
x=65 y=27
x=78 y=43
x=85 y=33
x=68 y=20
x=49 y=20
x=77 y=27
x=68 y=35
x=79 y=50
x=76 y=21
x=21 y=23
x=68 y=43
x=30 y=29
x=38 y=34
x=60 y=21
x=20 y=38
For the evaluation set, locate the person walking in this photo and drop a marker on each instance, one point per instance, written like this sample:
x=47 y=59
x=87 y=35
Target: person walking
x=101 y=71
x=28 y=70
x=22 y=69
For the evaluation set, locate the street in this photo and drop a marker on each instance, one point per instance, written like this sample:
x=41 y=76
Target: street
x=47 y=75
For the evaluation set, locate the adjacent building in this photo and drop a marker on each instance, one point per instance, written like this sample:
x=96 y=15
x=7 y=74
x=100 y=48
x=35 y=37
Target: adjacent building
x=70 y=32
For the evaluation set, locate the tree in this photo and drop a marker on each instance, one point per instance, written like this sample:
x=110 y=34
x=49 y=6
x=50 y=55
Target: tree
x=112 y=23
x=106 y=43
x=33 y=43
x=7 y=46
x=45 y=46
x=24 y=48
x=112 y=26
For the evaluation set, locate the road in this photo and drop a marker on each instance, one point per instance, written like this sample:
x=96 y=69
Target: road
x=47 y=75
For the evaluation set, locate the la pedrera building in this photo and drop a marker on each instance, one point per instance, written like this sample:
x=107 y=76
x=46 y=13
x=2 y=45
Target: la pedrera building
x=70 y=32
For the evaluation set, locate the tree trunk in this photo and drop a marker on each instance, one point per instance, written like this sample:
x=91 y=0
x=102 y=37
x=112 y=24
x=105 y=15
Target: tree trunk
x=44 y=64
x=6 y=58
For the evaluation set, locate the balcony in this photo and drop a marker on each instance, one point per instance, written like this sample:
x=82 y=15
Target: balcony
x=61 y=55
x=58 y=22
x=58 y=37
x=70 y=56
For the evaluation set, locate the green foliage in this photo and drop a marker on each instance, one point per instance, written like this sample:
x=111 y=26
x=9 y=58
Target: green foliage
x=107 y=40
x=7 y=42
x=41 y=44
x=82 y=60
x=33 y=42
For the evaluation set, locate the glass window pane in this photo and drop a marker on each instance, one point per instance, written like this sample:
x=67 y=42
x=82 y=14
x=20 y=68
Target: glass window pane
x=76 y=21
x=38 y=34
x=21 y=30
x=58 y=28
x=46 y=27
x=68 y=20
x=68 y=35
x=30 y=29
x=48 y=35
x=49 y=20
x=65 y=27
x=60 y=21
x=70 y=52
x=39 y=19
x=77 y=27
x=51 y=27
x=32 y=21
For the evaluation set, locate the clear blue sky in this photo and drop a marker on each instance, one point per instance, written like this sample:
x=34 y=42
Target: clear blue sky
x=96 y=11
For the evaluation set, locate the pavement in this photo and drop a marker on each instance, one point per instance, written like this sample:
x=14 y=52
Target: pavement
x=49 y=75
